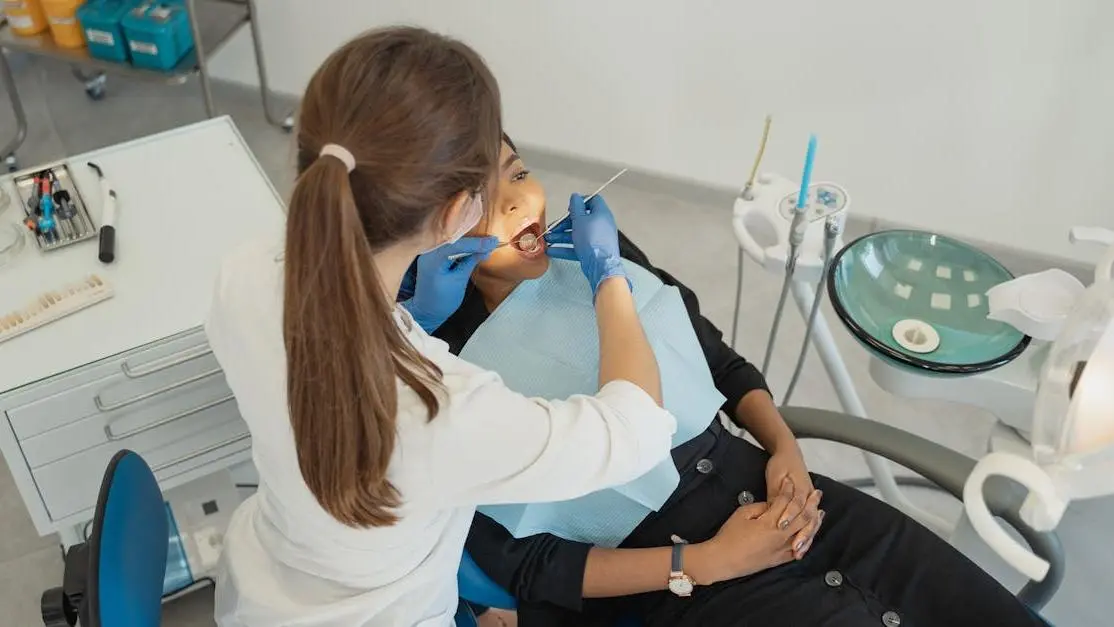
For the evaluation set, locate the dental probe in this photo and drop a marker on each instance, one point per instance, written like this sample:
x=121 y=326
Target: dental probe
x=553 y=224
x=611 y=180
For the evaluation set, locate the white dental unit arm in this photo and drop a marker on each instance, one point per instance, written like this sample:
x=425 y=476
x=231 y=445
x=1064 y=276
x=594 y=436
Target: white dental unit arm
x=763 y=217
x=1072 y=451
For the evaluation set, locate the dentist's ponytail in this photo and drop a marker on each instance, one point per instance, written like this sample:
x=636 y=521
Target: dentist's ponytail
x=419 y=115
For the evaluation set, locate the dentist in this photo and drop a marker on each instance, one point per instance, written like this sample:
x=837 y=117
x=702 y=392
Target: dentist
x=373 y=443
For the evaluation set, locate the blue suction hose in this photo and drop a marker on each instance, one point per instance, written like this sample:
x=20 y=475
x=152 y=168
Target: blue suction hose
x=797 y=230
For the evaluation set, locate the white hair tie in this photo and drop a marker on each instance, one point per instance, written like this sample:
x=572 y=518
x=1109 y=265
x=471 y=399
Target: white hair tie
x=340 y=152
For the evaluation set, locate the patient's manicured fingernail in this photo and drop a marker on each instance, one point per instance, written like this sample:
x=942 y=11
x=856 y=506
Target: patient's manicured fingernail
x=783 y=524
x=800 y=545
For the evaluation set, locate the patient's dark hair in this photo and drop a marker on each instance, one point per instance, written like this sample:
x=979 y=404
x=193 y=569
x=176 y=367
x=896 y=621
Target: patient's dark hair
x=420 y=114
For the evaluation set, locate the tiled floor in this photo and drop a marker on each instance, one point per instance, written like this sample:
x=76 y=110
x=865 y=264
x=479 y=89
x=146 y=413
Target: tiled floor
x=691 y=240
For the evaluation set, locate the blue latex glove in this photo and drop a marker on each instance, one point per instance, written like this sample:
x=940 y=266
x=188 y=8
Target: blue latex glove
x=588 y=235
x=440 y=282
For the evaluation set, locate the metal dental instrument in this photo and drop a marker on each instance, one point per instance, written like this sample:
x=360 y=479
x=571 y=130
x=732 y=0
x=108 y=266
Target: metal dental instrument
x=748 y=194
x=611 y=180
x=533 y=239
x=64 y=208
x=797 y=230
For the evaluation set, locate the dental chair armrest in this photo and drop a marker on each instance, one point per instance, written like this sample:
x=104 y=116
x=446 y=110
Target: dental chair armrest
x=942 y=466
x=939 y=464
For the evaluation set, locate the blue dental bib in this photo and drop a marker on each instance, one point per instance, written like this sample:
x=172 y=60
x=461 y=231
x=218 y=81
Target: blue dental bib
x=543 y=341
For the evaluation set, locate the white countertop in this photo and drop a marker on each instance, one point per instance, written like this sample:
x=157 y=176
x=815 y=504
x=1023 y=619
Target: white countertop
x=185 y=198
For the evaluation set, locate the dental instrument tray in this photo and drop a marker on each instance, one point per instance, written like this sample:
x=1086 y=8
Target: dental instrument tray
x=53 y=207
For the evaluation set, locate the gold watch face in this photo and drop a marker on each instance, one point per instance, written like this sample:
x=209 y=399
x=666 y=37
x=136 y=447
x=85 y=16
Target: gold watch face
x=680 y=586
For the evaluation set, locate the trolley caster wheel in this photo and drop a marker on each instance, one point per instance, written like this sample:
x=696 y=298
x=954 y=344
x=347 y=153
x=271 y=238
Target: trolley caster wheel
x=288 y=124
x=95 y=87
x=56 y=609
x=11 y=163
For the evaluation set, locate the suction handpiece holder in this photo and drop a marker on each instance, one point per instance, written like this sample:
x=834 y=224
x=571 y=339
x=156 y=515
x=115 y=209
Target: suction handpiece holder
x=763 y=223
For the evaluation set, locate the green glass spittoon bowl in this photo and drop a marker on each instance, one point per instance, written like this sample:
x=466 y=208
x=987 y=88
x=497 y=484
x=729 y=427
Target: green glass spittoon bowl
x=918 y=300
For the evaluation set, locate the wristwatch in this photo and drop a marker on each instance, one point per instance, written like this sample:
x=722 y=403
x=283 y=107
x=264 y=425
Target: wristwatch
x=680 y=584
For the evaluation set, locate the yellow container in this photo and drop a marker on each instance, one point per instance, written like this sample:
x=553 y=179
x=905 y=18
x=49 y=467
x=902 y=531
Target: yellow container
x=62 y=17
x=25 y=17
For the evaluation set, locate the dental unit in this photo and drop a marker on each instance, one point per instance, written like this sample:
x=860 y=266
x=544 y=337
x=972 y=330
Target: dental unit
x=941 y=319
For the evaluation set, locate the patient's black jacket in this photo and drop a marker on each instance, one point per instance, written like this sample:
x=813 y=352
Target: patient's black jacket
x=868 y=564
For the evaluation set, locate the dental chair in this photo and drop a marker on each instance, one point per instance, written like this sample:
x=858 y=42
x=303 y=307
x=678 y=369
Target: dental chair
x=115 y=579
x=940 y=465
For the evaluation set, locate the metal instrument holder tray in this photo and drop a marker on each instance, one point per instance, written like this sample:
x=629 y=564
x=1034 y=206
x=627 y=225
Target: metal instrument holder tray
x=68 y=231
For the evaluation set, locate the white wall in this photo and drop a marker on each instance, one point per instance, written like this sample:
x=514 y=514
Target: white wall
x=988 y=119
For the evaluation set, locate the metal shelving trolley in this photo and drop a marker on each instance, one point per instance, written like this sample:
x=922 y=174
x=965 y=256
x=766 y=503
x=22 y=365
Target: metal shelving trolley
x=213 y=23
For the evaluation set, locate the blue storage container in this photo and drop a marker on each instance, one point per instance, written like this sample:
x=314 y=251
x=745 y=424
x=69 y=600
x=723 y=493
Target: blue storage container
x=158 y=35
x=100 y=22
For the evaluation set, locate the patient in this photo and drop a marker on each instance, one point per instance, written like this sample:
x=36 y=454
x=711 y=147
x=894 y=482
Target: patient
x=843 y=557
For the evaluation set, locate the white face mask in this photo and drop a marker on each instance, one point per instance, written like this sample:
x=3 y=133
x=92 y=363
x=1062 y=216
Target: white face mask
x=472 y=214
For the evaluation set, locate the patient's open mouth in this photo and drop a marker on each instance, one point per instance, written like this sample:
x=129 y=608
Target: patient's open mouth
x=528 y=242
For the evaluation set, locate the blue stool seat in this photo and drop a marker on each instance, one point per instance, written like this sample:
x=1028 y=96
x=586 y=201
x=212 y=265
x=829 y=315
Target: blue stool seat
x=476 y=587
x=116 y=578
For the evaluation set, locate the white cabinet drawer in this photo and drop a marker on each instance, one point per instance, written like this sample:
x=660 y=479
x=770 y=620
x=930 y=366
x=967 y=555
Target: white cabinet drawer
x=70 y=485
x=112 y=385
x=139 y=426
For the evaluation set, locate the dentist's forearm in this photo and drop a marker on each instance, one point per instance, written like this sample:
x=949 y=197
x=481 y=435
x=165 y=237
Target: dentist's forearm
x=625 y=353
x=757 y=413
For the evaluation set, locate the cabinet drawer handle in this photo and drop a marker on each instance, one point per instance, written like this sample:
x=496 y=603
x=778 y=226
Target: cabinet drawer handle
x=189 y=412
x=154 y=366
x=204 y=451
x=103 y=406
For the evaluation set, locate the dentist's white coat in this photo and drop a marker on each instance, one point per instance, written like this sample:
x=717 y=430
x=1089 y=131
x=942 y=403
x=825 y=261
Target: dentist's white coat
x=288 y=562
